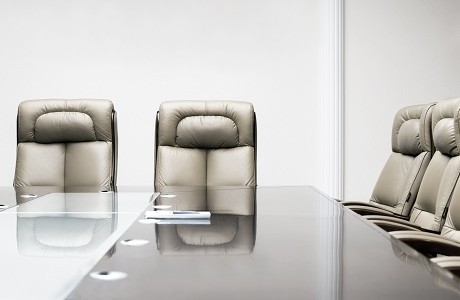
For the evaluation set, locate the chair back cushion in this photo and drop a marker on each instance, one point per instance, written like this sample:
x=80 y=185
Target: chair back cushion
x=399 y=181
x=205 y=143
x=66 y=143
x=442 y=173
x=451 y=228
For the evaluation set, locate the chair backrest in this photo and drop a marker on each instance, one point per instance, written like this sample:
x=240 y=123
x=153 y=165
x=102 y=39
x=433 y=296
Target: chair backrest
x=66 y=143
x=451 y=227
x=205 y=143
x=444 y=169
x=412 y=146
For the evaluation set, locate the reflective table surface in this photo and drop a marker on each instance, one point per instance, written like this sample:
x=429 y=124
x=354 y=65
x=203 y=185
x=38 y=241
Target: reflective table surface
x=51 y=241
x=13 y=196
x=269 y=243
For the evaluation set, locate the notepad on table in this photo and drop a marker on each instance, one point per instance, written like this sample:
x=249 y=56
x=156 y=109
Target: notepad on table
x=177 y=214
x=182 y=221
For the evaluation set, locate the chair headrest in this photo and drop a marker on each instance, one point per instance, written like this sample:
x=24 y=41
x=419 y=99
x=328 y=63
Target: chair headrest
x=412 y=129
x=206 y=124
x=61 y=121
x=446 y=133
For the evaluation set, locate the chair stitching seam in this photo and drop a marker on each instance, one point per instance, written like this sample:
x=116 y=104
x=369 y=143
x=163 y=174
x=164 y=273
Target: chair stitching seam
x=413 y=182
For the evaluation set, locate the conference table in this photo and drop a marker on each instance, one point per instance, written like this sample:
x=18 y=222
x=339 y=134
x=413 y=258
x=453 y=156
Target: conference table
x=262 y=243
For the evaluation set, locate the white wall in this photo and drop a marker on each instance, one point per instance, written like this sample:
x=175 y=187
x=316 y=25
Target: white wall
x=139 y=53
x=397 y=53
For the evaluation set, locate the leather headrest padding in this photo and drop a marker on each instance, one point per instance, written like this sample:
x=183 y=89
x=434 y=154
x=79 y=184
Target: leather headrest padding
x=59 y=127
x=446 y=132
x=444 y=137
x=411 y=132
x=72 y=119
x=207 y=132
x=173 y=112
x=409 y=137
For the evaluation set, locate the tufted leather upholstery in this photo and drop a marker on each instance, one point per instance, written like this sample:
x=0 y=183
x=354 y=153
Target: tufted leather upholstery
x=66 y=143
x=451 y=228
x=399 y=181
x=444 y=169
x=447 y=243
x=205 y=143
x=441 y=175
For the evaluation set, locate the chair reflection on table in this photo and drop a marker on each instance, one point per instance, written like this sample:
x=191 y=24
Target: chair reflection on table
x=230 y=231
x=442 y=277
x=66 y=225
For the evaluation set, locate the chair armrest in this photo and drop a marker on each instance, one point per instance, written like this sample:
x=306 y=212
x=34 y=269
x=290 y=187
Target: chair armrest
x=393 y=218
x=360 y=203
x=428 y=243
x=369 y=210
x=451 y=263
x=395 y=225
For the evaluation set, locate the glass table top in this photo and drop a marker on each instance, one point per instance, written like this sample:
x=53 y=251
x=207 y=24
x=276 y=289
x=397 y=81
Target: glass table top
x=294 y=244
x=264 y=243
x=50 y=243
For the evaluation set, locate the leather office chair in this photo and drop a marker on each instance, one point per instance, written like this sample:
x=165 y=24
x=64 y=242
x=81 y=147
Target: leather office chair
x=66 y=143
x=205 y=143
x=399 y=181
x=440 y=178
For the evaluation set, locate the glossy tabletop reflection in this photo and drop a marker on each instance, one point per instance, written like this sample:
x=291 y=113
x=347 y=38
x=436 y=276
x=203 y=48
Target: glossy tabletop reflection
x=51 y=242
x=269 y=243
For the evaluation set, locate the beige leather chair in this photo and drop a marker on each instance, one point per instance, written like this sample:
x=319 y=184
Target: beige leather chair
x=205 y=143
x=399 y=181
x=440 y=178
x=66 y=143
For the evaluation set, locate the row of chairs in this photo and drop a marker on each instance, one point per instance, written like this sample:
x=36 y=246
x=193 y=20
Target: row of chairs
x=75 y=143
x=209 y=143
x=417 y=197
